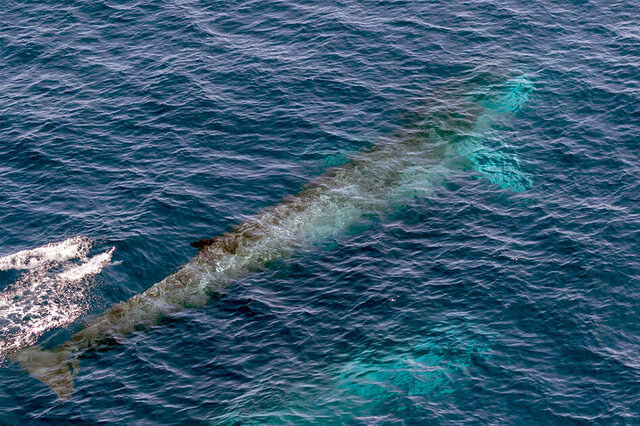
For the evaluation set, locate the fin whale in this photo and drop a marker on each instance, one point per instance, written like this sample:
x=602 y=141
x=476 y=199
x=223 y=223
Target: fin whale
x=452 y=131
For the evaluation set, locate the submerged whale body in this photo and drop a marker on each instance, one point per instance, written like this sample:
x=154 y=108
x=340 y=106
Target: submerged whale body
x=453 y=131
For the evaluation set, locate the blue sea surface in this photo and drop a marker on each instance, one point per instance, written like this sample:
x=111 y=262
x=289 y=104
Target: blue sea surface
x=144 y=125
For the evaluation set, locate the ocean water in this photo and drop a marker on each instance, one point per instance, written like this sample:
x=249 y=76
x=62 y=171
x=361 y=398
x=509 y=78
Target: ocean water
x=501 y=288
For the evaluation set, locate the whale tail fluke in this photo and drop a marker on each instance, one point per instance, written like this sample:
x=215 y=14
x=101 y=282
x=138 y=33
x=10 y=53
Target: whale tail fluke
x=54 y=368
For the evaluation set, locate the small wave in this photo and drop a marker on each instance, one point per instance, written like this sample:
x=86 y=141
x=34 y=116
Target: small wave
x=43 y=298
x=90 y=267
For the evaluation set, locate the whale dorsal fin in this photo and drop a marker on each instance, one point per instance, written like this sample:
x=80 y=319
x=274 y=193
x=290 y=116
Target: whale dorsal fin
x=227 y=242
x=206 y=242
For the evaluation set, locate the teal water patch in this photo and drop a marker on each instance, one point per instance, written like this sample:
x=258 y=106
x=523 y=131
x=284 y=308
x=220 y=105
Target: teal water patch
x=518 y=92
x=498 y=166
x=378 y=384
x=331 y=157
x=338 y=158
x=490 y=155
x=427 y=369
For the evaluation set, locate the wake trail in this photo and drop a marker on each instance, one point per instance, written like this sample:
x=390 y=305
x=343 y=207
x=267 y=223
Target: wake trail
x=50 y=293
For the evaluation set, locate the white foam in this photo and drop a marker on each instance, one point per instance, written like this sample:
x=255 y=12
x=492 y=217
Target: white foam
x=70 y=248
x=43 y=298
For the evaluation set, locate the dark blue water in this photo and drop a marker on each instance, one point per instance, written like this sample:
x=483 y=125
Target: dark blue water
x=145 y=125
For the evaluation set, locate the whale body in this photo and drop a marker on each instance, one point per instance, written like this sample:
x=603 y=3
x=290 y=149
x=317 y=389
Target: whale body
x=453 y=131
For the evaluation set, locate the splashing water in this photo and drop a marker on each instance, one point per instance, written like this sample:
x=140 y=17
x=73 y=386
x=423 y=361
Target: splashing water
x=53 y=253
x=50 y=293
